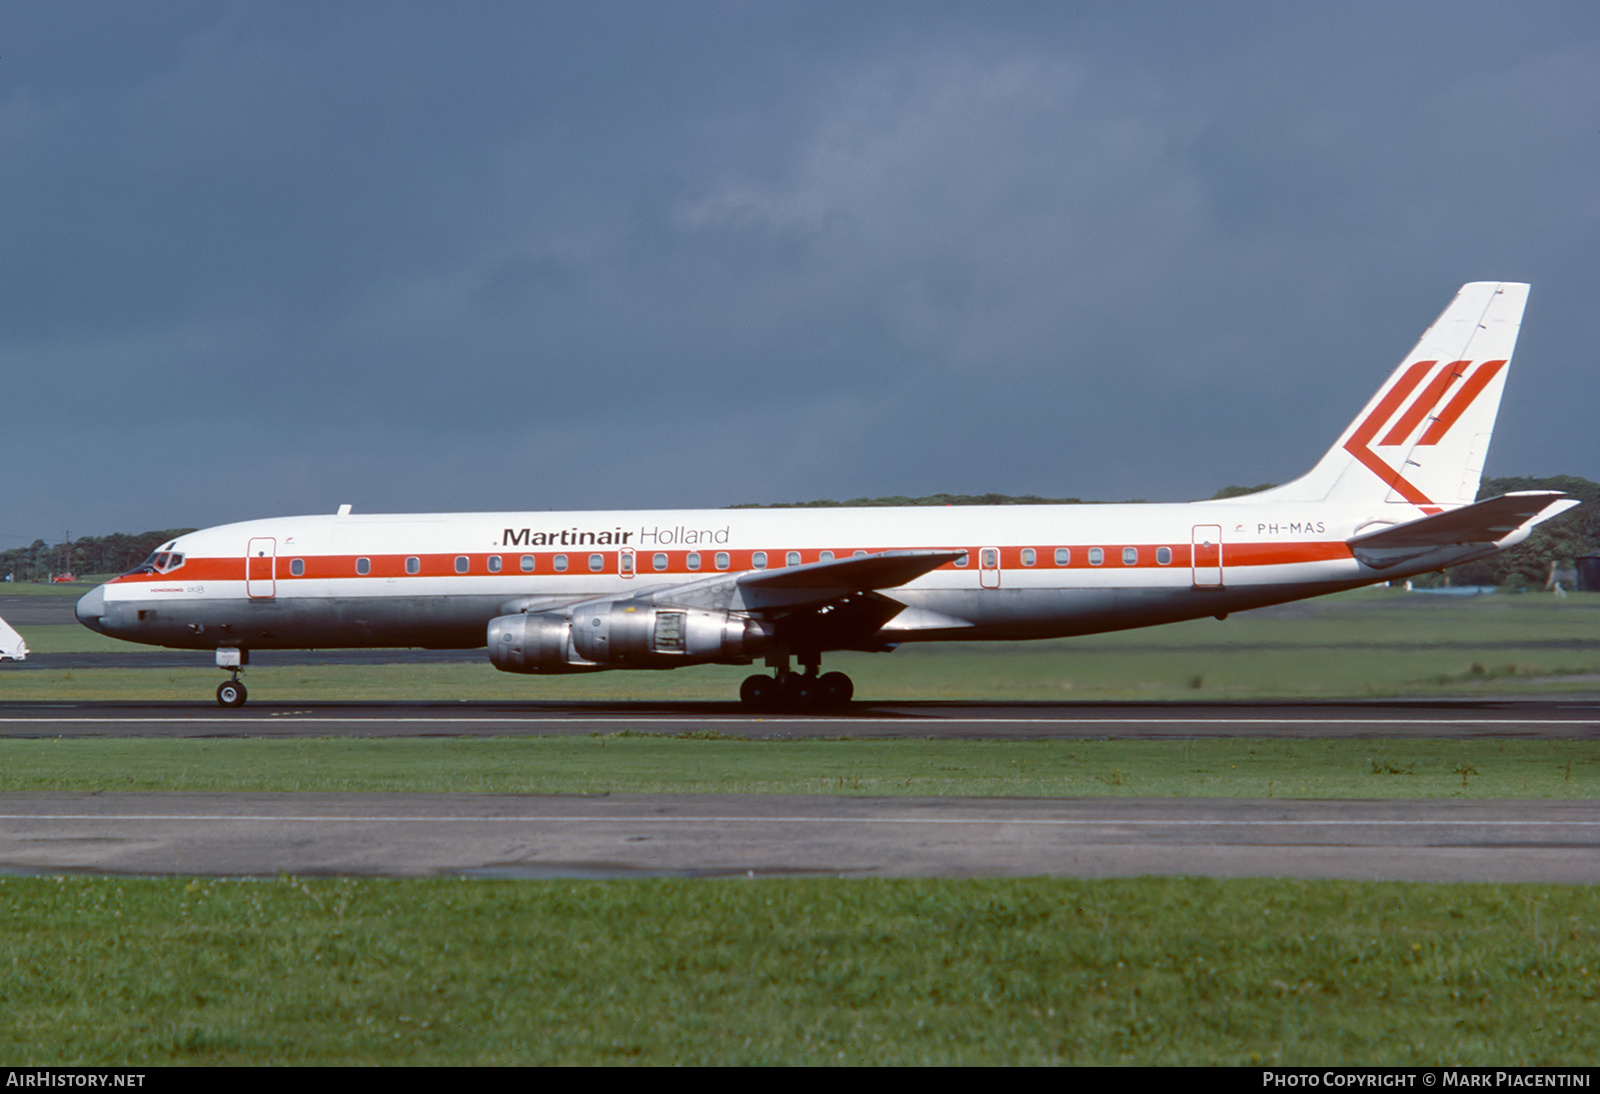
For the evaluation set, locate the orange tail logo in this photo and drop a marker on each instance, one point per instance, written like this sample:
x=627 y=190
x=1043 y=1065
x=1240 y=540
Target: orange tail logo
x=1403 y=417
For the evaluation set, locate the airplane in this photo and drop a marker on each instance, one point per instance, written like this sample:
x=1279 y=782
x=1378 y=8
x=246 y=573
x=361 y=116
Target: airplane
x=567 y=592
x=12 y=647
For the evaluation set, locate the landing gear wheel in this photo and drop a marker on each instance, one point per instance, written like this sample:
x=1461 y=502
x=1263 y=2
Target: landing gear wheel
x=800 y=692
x=759 y=692
x=835 y=689
x=231 y=693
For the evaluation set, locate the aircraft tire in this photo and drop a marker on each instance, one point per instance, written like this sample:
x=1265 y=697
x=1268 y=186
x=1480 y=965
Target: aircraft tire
x=759 y=692
x=231 y=693
x=835 y=689
x=800 y=692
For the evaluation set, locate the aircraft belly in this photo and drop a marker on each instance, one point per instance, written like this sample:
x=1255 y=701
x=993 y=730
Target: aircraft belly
x=434 y=622
x=1014 y=614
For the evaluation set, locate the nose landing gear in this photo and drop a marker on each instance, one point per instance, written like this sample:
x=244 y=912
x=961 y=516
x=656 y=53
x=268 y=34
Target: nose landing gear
x=232 y=693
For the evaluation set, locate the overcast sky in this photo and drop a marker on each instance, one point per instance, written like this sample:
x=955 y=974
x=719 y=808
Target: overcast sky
x=265 y=258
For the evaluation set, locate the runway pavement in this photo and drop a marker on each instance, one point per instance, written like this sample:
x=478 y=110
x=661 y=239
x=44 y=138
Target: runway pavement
x=1543 y=718
x=784 y=835
x=765 y=835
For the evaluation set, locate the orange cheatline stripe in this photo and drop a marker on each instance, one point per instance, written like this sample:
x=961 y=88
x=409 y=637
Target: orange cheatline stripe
x=342 y=567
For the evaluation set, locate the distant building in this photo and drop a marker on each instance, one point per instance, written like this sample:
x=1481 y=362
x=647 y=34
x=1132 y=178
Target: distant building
x=1588 y=568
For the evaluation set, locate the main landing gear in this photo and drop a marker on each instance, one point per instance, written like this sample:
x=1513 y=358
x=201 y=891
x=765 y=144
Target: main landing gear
x=232 y=693
x=797 y=691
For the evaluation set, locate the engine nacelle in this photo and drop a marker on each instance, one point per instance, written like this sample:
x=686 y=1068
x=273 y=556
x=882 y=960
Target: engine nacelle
x=536 y=642
x=615 y=634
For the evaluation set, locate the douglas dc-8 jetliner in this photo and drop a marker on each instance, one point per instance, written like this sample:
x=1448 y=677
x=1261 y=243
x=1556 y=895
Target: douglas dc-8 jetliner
x=588 y=591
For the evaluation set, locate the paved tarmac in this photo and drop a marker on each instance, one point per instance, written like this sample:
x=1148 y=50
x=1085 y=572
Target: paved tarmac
x=770 y=835
x=1543 y=718
x=773 y=835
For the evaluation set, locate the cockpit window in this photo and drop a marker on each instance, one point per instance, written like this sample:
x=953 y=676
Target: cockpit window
x=159 y=562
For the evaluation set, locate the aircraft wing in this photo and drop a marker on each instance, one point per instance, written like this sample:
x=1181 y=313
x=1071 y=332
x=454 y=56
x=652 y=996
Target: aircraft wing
x=796 y=587
x=1485 y=524
x=883 y=570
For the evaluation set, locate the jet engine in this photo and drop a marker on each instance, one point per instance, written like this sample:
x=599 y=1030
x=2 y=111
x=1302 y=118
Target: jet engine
x=614 y=634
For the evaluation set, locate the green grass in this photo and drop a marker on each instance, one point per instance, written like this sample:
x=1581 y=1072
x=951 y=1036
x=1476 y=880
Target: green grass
x=640 y=763
x=1365 y=644
x=140 y=972
x=77 y=588
x=71 y=638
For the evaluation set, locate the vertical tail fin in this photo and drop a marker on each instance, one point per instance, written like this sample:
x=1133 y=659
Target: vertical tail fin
x=1423 y=438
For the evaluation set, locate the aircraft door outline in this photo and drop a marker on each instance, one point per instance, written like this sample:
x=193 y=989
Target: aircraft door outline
x=989 y=567
x=1205 y=556
x=261 y=568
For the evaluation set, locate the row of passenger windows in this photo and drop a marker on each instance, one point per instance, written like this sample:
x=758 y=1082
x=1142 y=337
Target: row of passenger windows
x=560 y=563
x=1063 y=557
x=990 y=559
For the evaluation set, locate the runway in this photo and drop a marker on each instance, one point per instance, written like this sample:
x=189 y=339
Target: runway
x=783 y=835
x=1570 y=719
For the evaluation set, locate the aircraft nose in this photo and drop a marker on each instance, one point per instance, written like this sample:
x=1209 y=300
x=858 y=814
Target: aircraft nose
x=91 y=606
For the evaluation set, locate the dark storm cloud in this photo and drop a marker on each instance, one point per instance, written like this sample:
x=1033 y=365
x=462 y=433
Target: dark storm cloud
x=268 y=258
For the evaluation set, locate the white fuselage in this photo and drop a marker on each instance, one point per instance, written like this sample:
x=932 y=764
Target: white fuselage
x=1029 y=571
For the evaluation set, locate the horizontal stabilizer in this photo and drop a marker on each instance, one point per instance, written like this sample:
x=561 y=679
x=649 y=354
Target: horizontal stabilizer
x=1484 y=524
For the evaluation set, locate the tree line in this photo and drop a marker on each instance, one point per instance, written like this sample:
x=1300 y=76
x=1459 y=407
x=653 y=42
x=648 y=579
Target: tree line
x=113 y=554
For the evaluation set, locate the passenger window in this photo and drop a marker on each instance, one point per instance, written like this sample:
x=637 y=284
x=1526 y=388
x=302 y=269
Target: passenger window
x=722 y=560
x=962 y=561
x=1063 y=556
x=693 y=561
x=1028 y=556
x=597 y=563
x=494 y=564
x=659 y=561
x=527 y=564
x=1096 y=556
x=363 y=566
x=991 y=558
x=1164 y=556
x=561 y=564
x=858 y=554
x=463 y=564
x=792 y=558
x=759 y=560
x=826 y=556
x=297 y=567
x=1130 y=556
x=413 y=565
